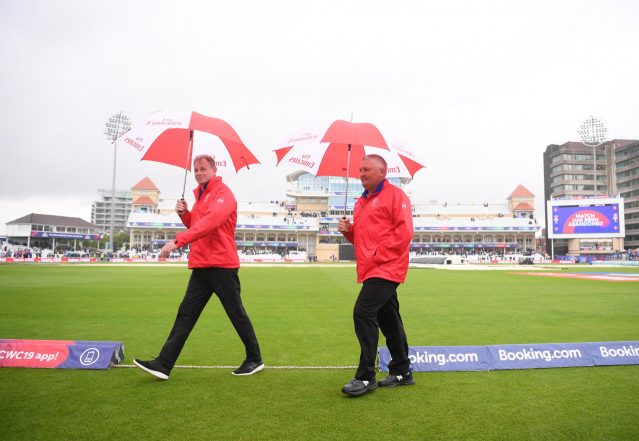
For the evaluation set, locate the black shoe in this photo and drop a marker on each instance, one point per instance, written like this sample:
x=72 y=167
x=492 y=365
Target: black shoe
x=397 y=380
x=249 y=368
x=153 y=367
x=357 y=387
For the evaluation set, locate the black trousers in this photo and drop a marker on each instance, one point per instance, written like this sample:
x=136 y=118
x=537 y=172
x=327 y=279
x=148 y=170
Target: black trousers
x=377 y=308
x=225 y=283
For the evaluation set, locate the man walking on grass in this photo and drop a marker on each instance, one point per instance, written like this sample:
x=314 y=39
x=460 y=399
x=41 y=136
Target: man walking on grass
x=214 y=261
x=381 y=232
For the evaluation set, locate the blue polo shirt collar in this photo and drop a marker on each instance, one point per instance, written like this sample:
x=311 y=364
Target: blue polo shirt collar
x=377 y=190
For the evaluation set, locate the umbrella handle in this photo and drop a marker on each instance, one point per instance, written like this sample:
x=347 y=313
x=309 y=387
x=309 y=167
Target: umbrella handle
x=181 y=212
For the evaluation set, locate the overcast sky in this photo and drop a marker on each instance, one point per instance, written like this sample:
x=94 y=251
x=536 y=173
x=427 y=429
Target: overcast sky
x=476 y=89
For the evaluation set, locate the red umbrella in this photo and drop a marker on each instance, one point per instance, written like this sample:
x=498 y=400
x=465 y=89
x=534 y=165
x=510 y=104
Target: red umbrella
x=329 y=154
x=167 y=137
x=401 y=163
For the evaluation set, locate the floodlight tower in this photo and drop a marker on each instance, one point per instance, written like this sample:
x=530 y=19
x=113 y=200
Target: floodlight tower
x=593 y=134
x=117 y=125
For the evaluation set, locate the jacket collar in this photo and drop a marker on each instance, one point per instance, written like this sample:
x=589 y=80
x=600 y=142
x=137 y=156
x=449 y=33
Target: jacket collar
x=377 y=190
x=214 y=182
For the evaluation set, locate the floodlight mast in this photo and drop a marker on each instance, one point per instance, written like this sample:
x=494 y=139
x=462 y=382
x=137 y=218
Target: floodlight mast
x=117 y=125
x=593 y=134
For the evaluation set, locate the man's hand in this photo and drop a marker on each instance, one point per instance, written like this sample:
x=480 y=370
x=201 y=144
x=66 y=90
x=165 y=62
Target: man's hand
x=167 y=248
x=343 y=225
x=181 y=206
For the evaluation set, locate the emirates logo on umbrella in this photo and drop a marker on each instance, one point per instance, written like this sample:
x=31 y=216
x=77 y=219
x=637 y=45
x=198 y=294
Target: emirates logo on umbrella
x=136 y=145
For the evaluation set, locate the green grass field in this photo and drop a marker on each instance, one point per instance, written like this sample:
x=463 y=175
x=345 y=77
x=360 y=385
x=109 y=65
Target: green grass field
x=302 y=317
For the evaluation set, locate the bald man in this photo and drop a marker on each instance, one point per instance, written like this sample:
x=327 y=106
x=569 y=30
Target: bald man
x=381 y=232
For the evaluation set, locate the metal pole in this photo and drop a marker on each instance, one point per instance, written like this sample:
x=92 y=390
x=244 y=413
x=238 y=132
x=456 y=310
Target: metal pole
x=115 y=154
x=116 y=126
x=594 y=156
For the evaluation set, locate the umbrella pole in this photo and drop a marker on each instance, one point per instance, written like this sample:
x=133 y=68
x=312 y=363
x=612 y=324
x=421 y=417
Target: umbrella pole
x=186 y=166
x=184 y=186
x=348 y=166
x=188 y=160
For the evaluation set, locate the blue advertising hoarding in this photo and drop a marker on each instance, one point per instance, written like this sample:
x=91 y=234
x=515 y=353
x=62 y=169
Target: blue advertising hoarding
x=516 y=356
x=61 y=354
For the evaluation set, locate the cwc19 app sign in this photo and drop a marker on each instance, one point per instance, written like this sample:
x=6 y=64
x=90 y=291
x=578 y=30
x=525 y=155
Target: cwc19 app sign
x=584 y=218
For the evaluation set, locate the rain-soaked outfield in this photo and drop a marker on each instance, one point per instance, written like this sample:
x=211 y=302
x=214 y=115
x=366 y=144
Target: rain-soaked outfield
x=302 y=316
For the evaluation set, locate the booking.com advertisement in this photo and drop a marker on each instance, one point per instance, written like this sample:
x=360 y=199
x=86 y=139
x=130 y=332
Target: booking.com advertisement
x=520 y=356
x=61 y=354
x=583 y=218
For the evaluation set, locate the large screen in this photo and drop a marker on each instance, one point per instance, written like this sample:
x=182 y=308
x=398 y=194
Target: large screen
x=585 y=218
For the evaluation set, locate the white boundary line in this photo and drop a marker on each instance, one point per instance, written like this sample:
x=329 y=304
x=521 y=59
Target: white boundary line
x=235 y=367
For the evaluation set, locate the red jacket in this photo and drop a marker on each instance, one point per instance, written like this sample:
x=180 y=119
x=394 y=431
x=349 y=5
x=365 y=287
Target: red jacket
x=381 y=232
x=211 y=228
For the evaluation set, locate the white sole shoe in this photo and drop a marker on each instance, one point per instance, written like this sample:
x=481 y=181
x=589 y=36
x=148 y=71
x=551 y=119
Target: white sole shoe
x=257 y=369
x=158 y=374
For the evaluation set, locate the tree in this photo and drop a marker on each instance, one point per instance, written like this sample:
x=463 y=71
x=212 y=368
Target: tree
x=119 y=239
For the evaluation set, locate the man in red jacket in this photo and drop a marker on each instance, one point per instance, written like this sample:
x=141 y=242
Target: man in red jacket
x=381 y=232
x=214 y=261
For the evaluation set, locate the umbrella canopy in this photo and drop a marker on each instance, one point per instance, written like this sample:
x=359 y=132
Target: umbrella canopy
x=169 y=137
x=328 y=154
x=401 y=164
x=166 y=137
